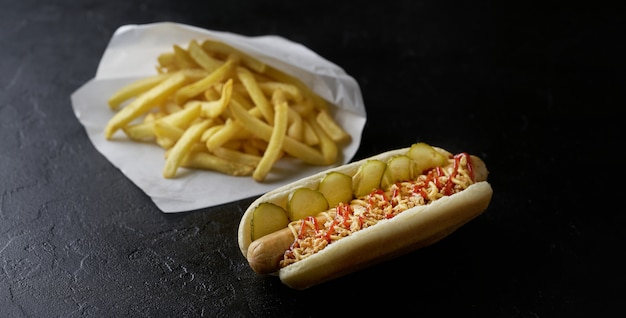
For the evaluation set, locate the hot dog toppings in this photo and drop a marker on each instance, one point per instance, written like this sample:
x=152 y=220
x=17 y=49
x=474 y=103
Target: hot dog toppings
x=312 y=234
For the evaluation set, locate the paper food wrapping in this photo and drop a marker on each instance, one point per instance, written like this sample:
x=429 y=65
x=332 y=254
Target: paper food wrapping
x=132 y=54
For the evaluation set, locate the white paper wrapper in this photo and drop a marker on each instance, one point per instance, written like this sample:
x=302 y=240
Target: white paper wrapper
x=132 y=54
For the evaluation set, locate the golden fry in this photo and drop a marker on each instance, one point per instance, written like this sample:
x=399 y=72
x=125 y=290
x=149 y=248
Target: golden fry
x=291 y=91
x=195 y=74
x=226 y=50
x=215 y=108
x=151 y=116
x=237 y=156
x=277 y=137
x=330 y=127
x=198 y=87
x=264 y=131
x=166 y=134
x=327 y=145
x=206 y=135
x=140 y=132
x=259 y=144
x=242 y=100
x=143 y=103
x=230 y=130
x=200 y=56
x=182 y=60
x=182 y=118
x=206 y=161
x=281 y=76
x=182 y=147
x=296 y=127
x=310 y=137
x=166 y=63
x=135 y=88
x=170 y=107
x=305 y=108
x=256 y=94
x=212 y=94
x=250 y=148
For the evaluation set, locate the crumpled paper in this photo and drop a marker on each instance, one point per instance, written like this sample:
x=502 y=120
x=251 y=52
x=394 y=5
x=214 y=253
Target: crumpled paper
x=132 y=54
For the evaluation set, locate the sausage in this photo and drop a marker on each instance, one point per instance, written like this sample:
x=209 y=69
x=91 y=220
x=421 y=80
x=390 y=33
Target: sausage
x=480 y=169
x=265 y=253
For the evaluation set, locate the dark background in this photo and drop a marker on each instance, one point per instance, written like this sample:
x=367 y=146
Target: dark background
x=534 y=88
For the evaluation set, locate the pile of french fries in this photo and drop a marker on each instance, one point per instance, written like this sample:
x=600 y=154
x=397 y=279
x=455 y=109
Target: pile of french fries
x=211 y=106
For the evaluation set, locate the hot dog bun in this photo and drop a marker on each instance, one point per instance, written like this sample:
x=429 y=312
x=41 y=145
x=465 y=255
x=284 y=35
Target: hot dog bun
x=410 y=230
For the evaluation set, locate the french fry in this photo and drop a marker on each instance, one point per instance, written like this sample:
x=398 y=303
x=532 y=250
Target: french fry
x=215 y=108
x=225 y=50
x=135 y=88
x=264 y=131
x=143 y=103
x=152 y=116
x=248 y=148
x=243 y=101
x=259 y=145
x=140 y=132
x=305 y=108
x=275 y=144
x=281 y=76
x=206 y=161
x=237 y=156
x=170 y=107
x=291 y=91
x=296 y=128
x=327 y=145
x=182 y=118
x=166 y=134
x=256 y=94
x=206 y=135
x=182 y=60
x=182 y=147
x=310 y=137
x=166 y=63
x=196 y=88
x=195 y=74
x=212 y=94
x=229 y=131
x=330 y=127
x=200 y=56
x=232 y=144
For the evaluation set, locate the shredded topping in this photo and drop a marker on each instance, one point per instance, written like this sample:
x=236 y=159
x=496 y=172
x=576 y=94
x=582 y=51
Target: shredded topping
x=313 y=234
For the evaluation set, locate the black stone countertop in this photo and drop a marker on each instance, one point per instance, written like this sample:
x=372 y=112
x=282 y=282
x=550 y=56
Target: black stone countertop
x=536 y=90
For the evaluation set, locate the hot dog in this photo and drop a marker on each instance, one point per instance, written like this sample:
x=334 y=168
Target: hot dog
x=438 y=193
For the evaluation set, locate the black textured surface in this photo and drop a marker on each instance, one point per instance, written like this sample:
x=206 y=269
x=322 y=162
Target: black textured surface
x=537 y=90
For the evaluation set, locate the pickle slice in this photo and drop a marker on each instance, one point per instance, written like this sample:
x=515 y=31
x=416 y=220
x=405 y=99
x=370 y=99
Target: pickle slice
x=304 y=202
x=426 y=157
x=336 y=187
x=268 y=218
x=368 y=177
x=399 y=168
